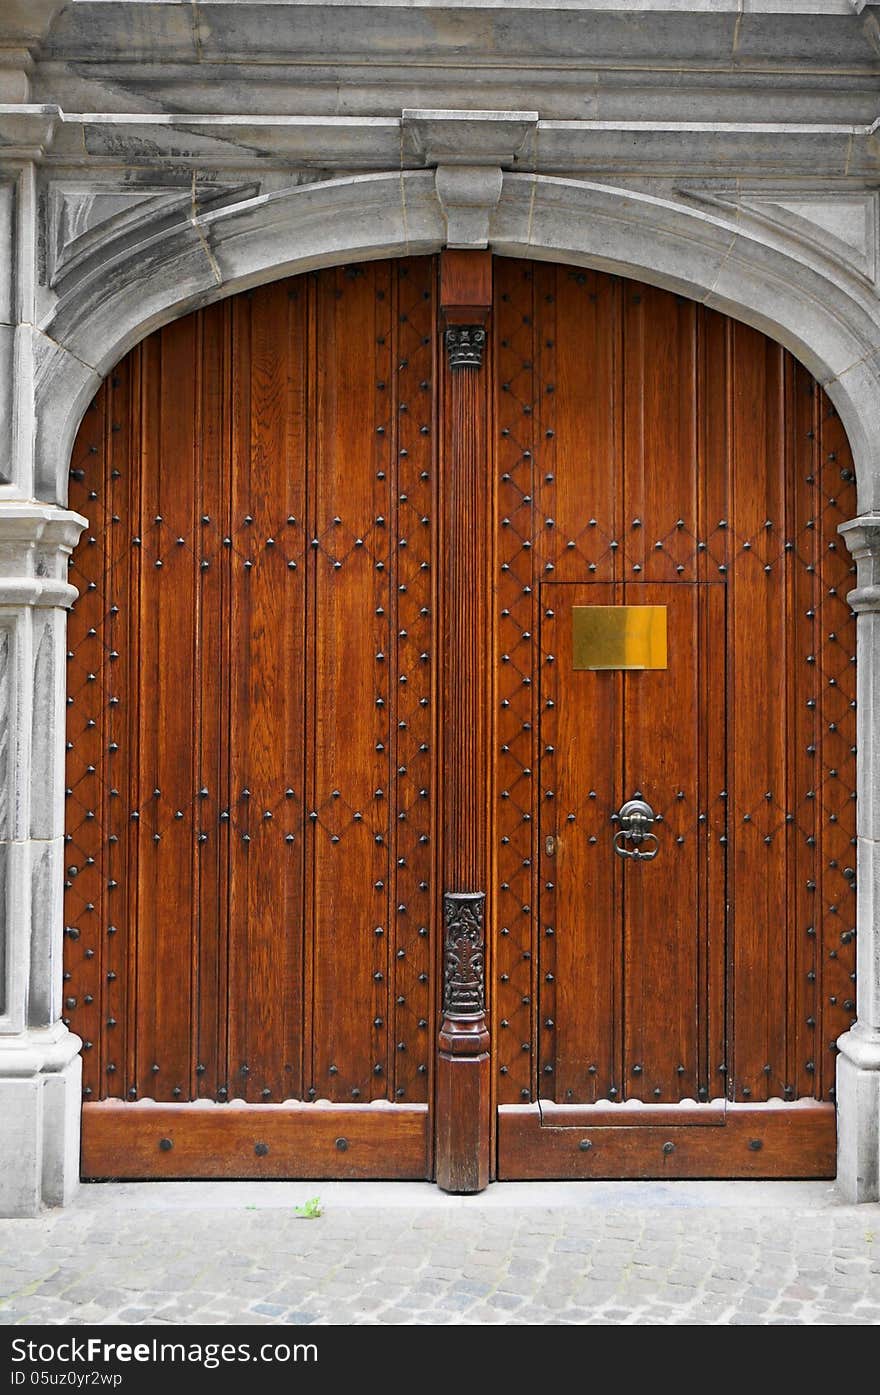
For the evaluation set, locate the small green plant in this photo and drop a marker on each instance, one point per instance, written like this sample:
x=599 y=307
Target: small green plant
x=311 y=1210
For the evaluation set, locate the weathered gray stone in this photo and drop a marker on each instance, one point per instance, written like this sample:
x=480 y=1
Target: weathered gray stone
x=468 y=195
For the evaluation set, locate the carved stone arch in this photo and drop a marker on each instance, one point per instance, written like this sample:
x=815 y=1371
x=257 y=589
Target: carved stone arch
x=811 y=305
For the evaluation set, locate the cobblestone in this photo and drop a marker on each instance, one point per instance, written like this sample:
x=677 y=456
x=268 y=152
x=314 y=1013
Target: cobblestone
x=590 y=1253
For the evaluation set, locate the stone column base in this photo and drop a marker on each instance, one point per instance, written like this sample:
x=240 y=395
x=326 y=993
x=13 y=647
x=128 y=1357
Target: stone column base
x=858 y=1115
x=40 y=1104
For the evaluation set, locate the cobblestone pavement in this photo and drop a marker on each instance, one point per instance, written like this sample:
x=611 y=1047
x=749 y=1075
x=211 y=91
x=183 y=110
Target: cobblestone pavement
x=609 y=1253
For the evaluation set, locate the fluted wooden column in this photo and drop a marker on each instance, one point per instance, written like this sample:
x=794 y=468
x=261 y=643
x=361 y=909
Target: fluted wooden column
x=463 y=1118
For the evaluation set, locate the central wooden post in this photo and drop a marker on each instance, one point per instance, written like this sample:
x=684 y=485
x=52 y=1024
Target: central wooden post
x=463 y=1119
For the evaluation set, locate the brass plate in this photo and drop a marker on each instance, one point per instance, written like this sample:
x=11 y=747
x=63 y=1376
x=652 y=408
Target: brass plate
x=619 y=636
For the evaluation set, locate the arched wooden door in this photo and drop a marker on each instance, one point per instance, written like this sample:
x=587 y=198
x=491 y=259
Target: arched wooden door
x=262 y=742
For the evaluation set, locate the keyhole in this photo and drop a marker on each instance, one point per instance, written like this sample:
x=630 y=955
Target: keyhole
x=550 y=845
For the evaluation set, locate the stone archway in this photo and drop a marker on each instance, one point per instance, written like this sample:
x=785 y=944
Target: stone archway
x=133 y=281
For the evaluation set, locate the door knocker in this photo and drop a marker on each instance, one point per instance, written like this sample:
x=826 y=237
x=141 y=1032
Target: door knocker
x=636 y=819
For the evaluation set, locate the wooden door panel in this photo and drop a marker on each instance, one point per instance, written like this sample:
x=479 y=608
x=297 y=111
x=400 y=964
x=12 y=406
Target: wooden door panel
x=622 y=929
x=644 y=441
x=251 y=891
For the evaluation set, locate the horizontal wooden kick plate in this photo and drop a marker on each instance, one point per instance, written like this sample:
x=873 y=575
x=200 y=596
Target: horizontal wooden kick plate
x=618 y=636
x=207 y=1140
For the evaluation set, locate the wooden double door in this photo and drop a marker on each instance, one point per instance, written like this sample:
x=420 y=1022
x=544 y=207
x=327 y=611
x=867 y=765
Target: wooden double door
x=343 y=897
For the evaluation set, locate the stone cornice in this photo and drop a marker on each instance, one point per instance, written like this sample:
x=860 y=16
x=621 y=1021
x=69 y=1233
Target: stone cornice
x=514 y=140
x=249 y=30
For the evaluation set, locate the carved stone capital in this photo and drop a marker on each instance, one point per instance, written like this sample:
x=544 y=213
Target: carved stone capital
x=35 y=543
x=464 y=345
x=862 y=537
x=464 y=982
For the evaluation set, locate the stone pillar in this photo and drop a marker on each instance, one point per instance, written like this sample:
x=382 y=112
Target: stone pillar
x=858 y=1062
x=40 y=1069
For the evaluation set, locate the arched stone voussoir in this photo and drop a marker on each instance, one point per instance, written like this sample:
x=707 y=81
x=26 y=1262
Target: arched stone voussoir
x=829 y=322
x=63 y=388
x=358 y=218
x=201 y=259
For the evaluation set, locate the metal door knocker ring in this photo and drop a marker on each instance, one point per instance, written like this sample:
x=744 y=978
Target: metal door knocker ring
x=636 y=819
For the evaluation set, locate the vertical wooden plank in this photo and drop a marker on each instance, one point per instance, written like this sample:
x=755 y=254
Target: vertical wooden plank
x=803 y=558
x=518 y=456
x=581 y=739
x=168 y=717
x=234 y=815
x=121 y=476
x=309 y=563
x=412 y=1025
x=349 y=816
x=209 y=1021
x=85 y=924
x=662 y=926
x=143 y=703
x=266 y=841
x=836 y=779
x=761 y=692
x=713 y=446
x=130 y=700
x=661 y=538
x=659 y=480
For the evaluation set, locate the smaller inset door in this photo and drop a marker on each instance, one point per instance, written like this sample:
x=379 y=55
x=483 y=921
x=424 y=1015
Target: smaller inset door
x=632 y=928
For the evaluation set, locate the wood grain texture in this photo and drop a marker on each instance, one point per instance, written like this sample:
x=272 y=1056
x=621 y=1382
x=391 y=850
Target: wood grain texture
x=463 y=1134
x=773 y=1142
x=643 y=440
x=465 y=285
x=235 y=1141
x=252 y=814
x=313 y=616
